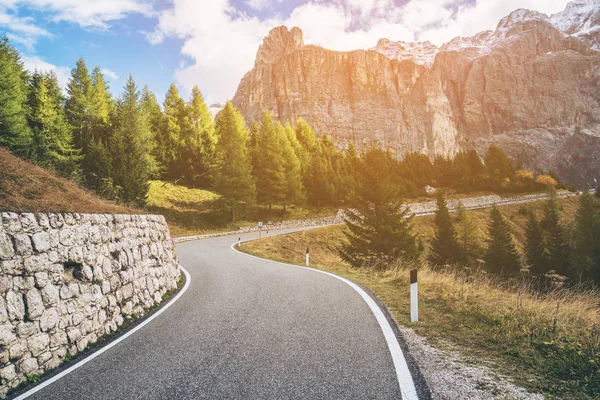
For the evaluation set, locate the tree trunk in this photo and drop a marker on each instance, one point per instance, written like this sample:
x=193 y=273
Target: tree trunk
x=233 y=214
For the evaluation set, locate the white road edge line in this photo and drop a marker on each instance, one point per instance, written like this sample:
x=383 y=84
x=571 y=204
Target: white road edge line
x=112 y=344
x=405 y=380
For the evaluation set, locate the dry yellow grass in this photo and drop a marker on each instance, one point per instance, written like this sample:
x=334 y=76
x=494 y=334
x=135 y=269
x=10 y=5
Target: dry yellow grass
x=546 y=342
x=25 y=187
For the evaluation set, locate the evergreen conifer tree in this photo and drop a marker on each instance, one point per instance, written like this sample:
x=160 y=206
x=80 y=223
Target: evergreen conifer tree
x=294 y=191
x=586 y=249
x=466 y=228
x=53 y=141
x=535 y=253
x=379 y=229
x=301 y=153
x=101 y=100
x=171 y=137
x=501 y=255
x=201 y=143
x=79 y=105
x=15 y=133
x=445 y=248
x=131 y=146
x=235 y=183
x=557 y=246
x=269 y=163
x=156 y=120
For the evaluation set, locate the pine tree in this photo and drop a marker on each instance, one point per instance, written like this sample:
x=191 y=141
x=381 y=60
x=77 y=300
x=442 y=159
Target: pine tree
x=294 y=190
x=306 y=136
x=501 y=255
x=466 y=228
x=171 y=137
x=15 y=133
x=202 y=142
x=301 y=153
x=269 y=164
x=131 y=147
x=79 y=105
x=535 y=252
x=557 y=246
x=379 y=229
x=235 y=183
x=586 y=249
x=100 y=99
x=53 y=140
x=156 y=120
x=444 y=247
x=498 y=166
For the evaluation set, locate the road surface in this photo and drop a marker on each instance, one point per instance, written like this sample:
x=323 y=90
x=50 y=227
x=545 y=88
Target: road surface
x=247 y=328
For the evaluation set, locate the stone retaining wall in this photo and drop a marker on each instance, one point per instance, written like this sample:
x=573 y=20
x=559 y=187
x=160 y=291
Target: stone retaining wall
x=66 y=280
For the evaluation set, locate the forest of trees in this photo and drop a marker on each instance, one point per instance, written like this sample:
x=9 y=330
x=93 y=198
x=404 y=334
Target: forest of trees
x=380 y=232
x=114 y=146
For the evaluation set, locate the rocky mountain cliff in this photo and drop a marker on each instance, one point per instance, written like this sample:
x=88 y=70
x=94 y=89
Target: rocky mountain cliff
x=531 y=87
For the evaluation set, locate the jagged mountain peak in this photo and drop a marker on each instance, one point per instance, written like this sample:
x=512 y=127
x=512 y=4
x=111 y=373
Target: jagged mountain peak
x=581 y=18
x=279 y=42
x=531 y=86
x=421 y=53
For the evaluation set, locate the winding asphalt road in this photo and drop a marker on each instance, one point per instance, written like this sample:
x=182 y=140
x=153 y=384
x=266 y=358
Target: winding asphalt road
x=247 y=328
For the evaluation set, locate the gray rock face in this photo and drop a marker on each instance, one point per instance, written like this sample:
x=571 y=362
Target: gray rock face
x=61 y=288
x=531 y=86
x=41 y=241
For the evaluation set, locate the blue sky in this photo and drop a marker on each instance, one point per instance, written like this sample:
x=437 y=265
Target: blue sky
x=212 y=43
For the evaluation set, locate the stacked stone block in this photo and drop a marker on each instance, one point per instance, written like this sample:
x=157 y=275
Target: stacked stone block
x=67 y=280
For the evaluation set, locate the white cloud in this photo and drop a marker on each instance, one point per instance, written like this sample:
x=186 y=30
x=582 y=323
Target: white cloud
x=33 y=63
x=484 y=15
x=87 y=13
x=22 y=30
x=223 y=41
x=109 y=74
x=258 y=4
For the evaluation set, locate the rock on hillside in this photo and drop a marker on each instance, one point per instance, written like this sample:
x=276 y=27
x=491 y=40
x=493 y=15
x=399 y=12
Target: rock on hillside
x=530 y=86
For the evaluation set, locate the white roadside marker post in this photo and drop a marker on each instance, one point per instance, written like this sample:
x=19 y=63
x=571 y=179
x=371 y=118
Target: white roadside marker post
x=414 y=297
x=260 y=226
x=239 y=241
x=307 y=257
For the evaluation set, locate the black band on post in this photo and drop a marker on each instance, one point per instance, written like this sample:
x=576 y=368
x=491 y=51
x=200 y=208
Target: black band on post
x=413 y=276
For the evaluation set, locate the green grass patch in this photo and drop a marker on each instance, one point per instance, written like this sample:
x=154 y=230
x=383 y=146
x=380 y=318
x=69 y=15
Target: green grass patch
x=192 y=211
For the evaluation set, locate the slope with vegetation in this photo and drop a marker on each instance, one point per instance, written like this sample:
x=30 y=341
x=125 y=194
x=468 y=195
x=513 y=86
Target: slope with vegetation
x=28 y=188
x=116 y=147
x=517 y=285
x=546 y=339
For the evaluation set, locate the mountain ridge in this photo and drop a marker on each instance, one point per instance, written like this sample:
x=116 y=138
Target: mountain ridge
x=527 y=86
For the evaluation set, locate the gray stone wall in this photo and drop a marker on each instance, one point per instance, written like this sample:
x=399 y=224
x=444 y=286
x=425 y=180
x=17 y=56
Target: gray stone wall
x=66 y=280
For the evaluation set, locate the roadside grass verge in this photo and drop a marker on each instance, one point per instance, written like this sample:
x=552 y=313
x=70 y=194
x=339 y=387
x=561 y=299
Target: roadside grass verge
x=547 y=343
x=192 y=211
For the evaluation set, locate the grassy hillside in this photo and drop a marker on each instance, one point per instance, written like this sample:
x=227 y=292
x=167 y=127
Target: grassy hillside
x=195 y=211
x=547 y=343
x=27 y=188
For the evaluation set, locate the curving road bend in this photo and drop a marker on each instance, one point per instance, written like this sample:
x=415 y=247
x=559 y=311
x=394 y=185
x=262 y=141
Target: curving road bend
x=246 y=328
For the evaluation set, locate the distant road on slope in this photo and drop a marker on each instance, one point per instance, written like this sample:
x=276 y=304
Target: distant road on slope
x=246 y=328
